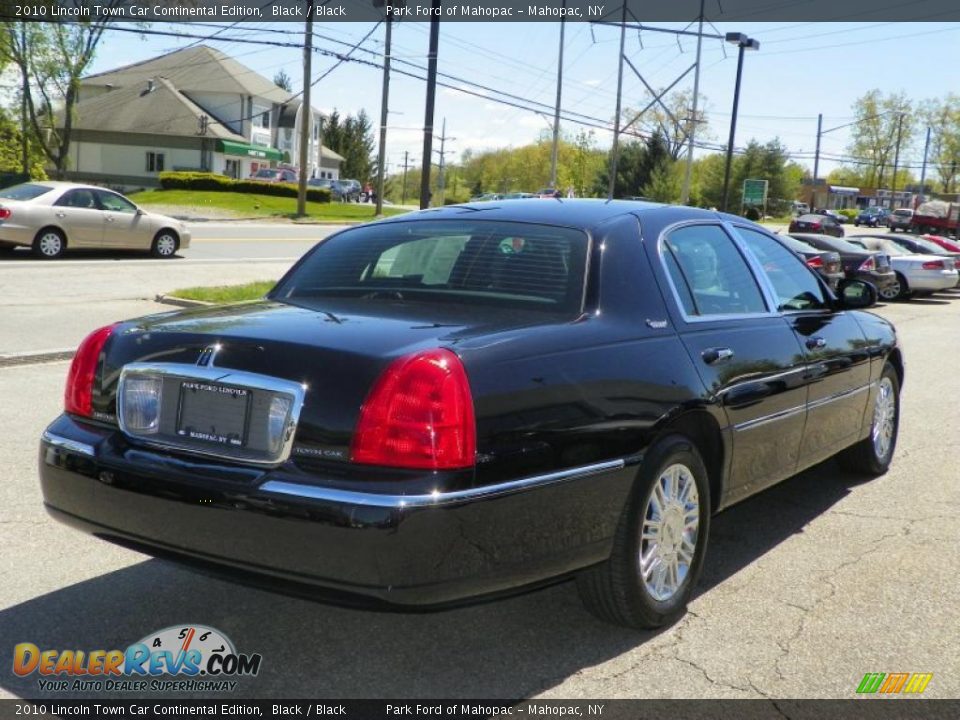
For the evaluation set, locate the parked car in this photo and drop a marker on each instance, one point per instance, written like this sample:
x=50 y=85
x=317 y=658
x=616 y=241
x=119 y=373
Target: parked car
x=825 y=262
x=916 y=274
x=951 y=244
x=275 y=175
x=800 y=208
x=872 y=217
x=347 y=190
x=832 y=214
x=820 y=224
x=417 y=388
x=517 y=196
x=548 y=193
x=921 y=246
x=53 y=217
x=320 y=183
x=485 y=197
x=900 y=219
x=858 y=263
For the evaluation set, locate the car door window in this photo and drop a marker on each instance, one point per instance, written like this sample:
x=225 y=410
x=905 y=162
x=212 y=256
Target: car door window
x=80 y=198
x=116 y=203
x=709 y=274
x=795 y=285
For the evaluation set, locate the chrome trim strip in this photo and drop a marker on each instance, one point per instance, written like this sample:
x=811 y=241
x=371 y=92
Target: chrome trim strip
x=221 y=375
x=315 y=492
x=781 y=415
x=800 y=408
x=839 y=396
x=58 y=441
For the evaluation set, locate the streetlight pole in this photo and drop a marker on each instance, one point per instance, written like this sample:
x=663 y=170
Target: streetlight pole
x=556 y=109
x=744 y=43
x=923 y=171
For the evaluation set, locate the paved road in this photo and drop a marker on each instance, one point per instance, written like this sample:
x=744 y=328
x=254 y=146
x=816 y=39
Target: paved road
x=808 y=586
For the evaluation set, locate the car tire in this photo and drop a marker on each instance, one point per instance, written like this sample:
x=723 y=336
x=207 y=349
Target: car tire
x=872 y=455
x=49 y=244
x=652 y=572
x=165 y=244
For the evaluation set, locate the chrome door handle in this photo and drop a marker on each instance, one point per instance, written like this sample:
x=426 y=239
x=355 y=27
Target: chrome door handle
x=61 y=214
x=816 y=342
x=712 y=356
x=109 y=219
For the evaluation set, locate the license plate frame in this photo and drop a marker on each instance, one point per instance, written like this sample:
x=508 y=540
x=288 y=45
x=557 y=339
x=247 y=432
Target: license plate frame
x=193 y=393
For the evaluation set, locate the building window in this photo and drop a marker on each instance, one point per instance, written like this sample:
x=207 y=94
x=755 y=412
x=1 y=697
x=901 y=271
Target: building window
x=261 y=118
x=232 y=169
x=154 y=162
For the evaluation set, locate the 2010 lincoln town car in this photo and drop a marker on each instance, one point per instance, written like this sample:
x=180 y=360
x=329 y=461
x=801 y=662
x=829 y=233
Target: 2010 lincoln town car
x=463 y=402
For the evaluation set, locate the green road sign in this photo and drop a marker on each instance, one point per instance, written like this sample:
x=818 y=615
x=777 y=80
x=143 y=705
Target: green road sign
x=755 y=192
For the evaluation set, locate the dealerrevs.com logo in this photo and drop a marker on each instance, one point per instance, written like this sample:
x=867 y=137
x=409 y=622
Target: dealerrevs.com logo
x=200 y=657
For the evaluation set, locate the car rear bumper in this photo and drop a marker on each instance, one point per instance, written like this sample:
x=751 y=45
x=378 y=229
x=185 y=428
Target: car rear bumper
x=932 y=280
x=878 y=280
x=286 y=529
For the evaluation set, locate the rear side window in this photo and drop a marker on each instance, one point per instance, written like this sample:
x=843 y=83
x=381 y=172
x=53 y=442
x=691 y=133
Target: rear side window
x=26 y=191
x=708 y=272
x=470 y=262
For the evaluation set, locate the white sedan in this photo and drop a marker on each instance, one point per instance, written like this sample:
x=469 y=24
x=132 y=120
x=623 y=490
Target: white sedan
x=52 y=217
x=916 y=274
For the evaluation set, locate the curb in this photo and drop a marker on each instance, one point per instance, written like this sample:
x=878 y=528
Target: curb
x=34 y=357
x=181 y=302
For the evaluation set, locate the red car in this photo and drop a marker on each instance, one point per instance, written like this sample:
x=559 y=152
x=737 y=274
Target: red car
x=275 y=175
x=944 y=242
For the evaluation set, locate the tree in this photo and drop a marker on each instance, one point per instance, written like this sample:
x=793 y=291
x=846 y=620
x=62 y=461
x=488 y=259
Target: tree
x=352 y=138
x=11 y=142
x=666 y=182
x=943 y=118
x=879 y=120
x=51 y=59
x=674 y=126
x=769 y=161
x=635 y=166
x=282 y=80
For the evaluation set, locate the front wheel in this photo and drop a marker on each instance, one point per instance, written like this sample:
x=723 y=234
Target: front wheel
x=872 y=455
x=165 y=244
x=660 y=542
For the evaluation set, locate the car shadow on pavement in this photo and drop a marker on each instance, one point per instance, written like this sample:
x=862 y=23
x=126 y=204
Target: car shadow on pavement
x=26 y=256
x=511 y=648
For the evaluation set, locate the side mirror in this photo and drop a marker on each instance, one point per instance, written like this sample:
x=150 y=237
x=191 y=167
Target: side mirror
x=139 y=211
x=857 y=294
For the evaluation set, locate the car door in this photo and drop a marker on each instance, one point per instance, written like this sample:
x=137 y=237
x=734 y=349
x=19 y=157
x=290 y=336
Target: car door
x=123 y=226
x=835 y=349
x=747 y=356
x=78 y=213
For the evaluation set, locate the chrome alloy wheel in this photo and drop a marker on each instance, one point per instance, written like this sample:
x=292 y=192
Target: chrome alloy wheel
x=890 y=291
x=884 y=418
x=668 y=541
x=166 y=245
x=51 y=244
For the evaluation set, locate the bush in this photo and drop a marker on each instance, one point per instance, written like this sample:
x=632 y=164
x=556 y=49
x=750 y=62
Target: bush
x=849 y=214
x=221 y=183
x=752 y=213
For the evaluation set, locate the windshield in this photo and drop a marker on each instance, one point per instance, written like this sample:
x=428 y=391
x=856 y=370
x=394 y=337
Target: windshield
x=26 y=191
x=504 y=264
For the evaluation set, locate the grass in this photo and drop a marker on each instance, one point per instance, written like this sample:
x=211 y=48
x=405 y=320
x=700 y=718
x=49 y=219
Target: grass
x=242 y=205
x=226 y=293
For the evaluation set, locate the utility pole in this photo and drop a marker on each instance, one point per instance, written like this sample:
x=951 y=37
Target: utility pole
x=923 y=171
x=896 y=160
x=685 y=195
x=403 y=193
x=431 y=102
x=556 y=109
x=615 y=150
x=306 y=113
x=24 y=137
x=442 y=152
x=816 y=154
x=384 y=109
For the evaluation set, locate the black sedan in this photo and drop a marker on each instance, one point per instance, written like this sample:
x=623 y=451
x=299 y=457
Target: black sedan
x=477 y=399
x=821 y=224
x=858 y=263
x=825 y=262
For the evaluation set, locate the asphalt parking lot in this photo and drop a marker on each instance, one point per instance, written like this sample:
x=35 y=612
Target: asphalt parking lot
x=807 y=587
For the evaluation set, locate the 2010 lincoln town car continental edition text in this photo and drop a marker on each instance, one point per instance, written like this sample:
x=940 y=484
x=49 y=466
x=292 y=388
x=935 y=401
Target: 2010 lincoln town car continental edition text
x=467 y=401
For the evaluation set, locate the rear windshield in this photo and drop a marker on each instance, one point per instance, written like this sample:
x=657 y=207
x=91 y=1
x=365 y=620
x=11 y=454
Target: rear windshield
x=503 y=264
x=26 y=191
x=903 y=213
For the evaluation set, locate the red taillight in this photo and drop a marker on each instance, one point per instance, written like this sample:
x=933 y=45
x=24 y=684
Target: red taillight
x=815 y=226
x=78 y=397
x=815 y=262
x=5 y=213
x=868 y=264
x=419 y=414
x=934 y=265
x=956 y=263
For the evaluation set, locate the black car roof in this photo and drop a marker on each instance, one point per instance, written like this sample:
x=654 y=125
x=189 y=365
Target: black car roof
x=579 y=213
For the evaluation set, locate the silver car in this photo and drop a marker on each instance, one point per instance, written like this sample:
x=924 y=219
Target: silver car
x=916 y=274
x=52 y=217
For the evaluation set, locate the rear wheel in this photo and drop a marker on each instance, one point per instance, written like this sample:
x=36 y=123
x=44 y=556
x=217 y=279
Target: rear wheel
x=897 y=290
x=872 y=455
x=660 y=542
x=49 y=244
x=165 y=244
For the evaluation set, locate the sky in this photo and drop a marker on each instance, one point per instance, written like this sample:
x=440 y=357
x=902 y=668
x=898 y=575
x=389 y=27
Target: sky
x=800 y=70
